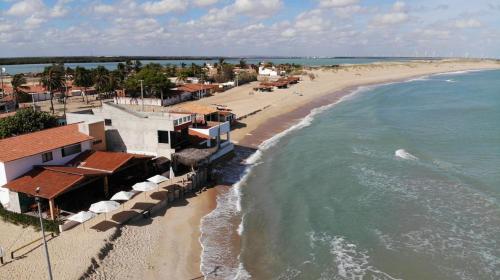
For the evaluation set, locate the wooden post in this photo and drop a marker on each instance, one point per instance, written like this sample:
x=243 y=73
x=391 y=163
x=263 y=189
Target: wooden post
x=106 y=186
x=51 y=207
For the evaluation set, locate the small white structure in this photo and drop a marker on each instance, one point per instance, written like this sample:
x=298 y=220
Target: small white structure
x=271 y=72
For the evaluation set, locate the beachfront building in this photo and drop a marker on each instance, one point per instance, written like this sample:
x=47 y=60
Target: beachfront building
x=37 y=92
x=70 y=167
x=204 y=114
x=158 y=134
x=197 y=91
x=149 y=133
x=55 y=146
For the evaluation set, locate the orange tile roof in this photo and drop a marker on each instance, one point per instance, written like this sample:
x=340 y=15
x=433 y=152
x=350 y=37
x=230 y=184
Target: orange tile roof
x=195 y=109
x=52 y=180
x=27 y=88
x=105 y=161
x=26 y=145
x=196 y=87
x=51 y=183
x=74 y=170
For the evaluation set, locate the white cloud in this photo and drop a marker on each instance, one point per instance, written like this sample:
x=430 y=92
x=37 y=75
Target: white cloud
x=397 y=15
x=164 y=6
x=290 y=32
x=33 y=22
x=103 y=9
x=204 y=3
x=337 y=3
x=25 y=7
x=258 y=8
x=468 y=23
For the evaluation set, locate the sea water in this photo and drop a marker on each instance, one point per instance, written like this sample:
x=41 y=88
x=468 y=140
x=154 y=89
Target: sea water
x=399 y=181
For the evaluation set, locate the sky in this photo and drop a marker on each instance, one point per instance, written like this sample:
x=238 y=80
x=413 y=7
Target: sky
x=250 y=27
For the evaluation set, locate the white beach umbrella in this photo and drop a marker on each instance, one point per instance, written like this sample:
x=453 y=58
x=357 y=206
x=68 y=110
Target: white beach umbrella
x=171 y=175
x=157 y=179
x=122 y=196
x=144 y=186
x=81 y=217
x=105 y=206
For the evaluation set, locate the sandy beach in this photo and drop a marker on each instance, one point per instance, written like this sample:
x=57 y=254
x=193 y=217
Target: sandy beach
x=167 y=246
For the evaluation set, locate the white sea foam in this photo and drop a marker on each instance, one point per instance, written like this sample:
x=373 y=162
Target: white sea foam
x=350 y=261
x=450 y=81
x=460 y=72
x=402 y=153
x=418 y=79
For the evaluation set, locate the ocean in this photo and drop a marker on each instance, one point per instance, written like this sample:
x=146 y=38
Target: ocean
x=396 y=181
x=36 y=68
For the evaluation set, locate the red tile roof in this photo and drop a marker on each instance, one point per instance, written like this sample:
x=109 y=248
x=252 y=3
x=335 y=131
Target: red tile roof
x=26 y=145
x=27 y=88
x=104 y=161
x=51 y=183
x=196 y=87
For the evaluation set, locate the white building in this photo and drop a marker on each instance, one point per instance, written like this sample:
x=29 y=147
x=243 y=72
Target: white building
x=157 y=134
x=271 y=72
x=55 y=146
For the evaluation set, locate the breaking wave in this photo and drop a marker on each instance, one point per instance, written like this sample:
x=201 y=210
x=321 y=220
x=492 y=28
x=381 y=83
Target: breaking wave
x=402 y=153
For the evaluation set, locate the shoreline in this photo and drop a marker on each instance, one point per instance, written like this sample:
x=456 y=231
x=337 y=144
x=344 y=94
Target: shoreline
x=290 y=121
x=169 y=245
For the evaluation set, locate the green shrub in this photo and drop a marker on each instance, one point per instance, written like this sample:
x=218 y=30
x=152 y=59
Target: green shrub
x=25 y=220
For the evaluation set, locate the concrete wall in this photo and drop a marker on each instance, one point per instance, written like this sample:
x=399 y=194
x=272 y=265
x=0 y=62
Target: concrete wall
x=213 y=132
x=14 y=202
x=96 y=130
x=130 y=132
x=137 y=101
x=154 y=101
x=40 y=96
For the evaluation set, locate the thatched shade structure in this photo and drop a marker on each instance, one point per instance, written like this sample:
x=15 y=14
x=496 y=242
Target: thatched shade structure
x=194 y=157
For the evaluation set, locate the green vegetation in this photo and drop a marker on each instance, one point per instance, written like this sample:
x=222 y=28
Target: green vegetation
x=155 y=82
x=25 y=121
x=90 y=59
x=25 y=220
x=246 y=77
x=53 y=79
x=18 y=84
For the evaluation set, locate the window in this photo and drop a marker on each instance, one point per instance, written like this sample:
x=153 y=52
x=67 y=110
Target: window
x=163 y=137
x=71 y=150
x=96 y=142
x=108 y=122
x=47 y=157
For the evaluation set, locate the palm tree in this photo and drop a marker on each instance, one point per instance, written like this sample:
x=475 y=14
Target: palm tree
x=18 y=84
x=53 y=80
x=82 y=78
x=182 y=76
x=101 y=80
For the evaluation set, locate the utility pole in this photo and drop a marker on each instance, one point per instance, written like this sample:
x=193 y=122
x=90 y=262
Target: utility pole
x=142 y=95
x=37 y=198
